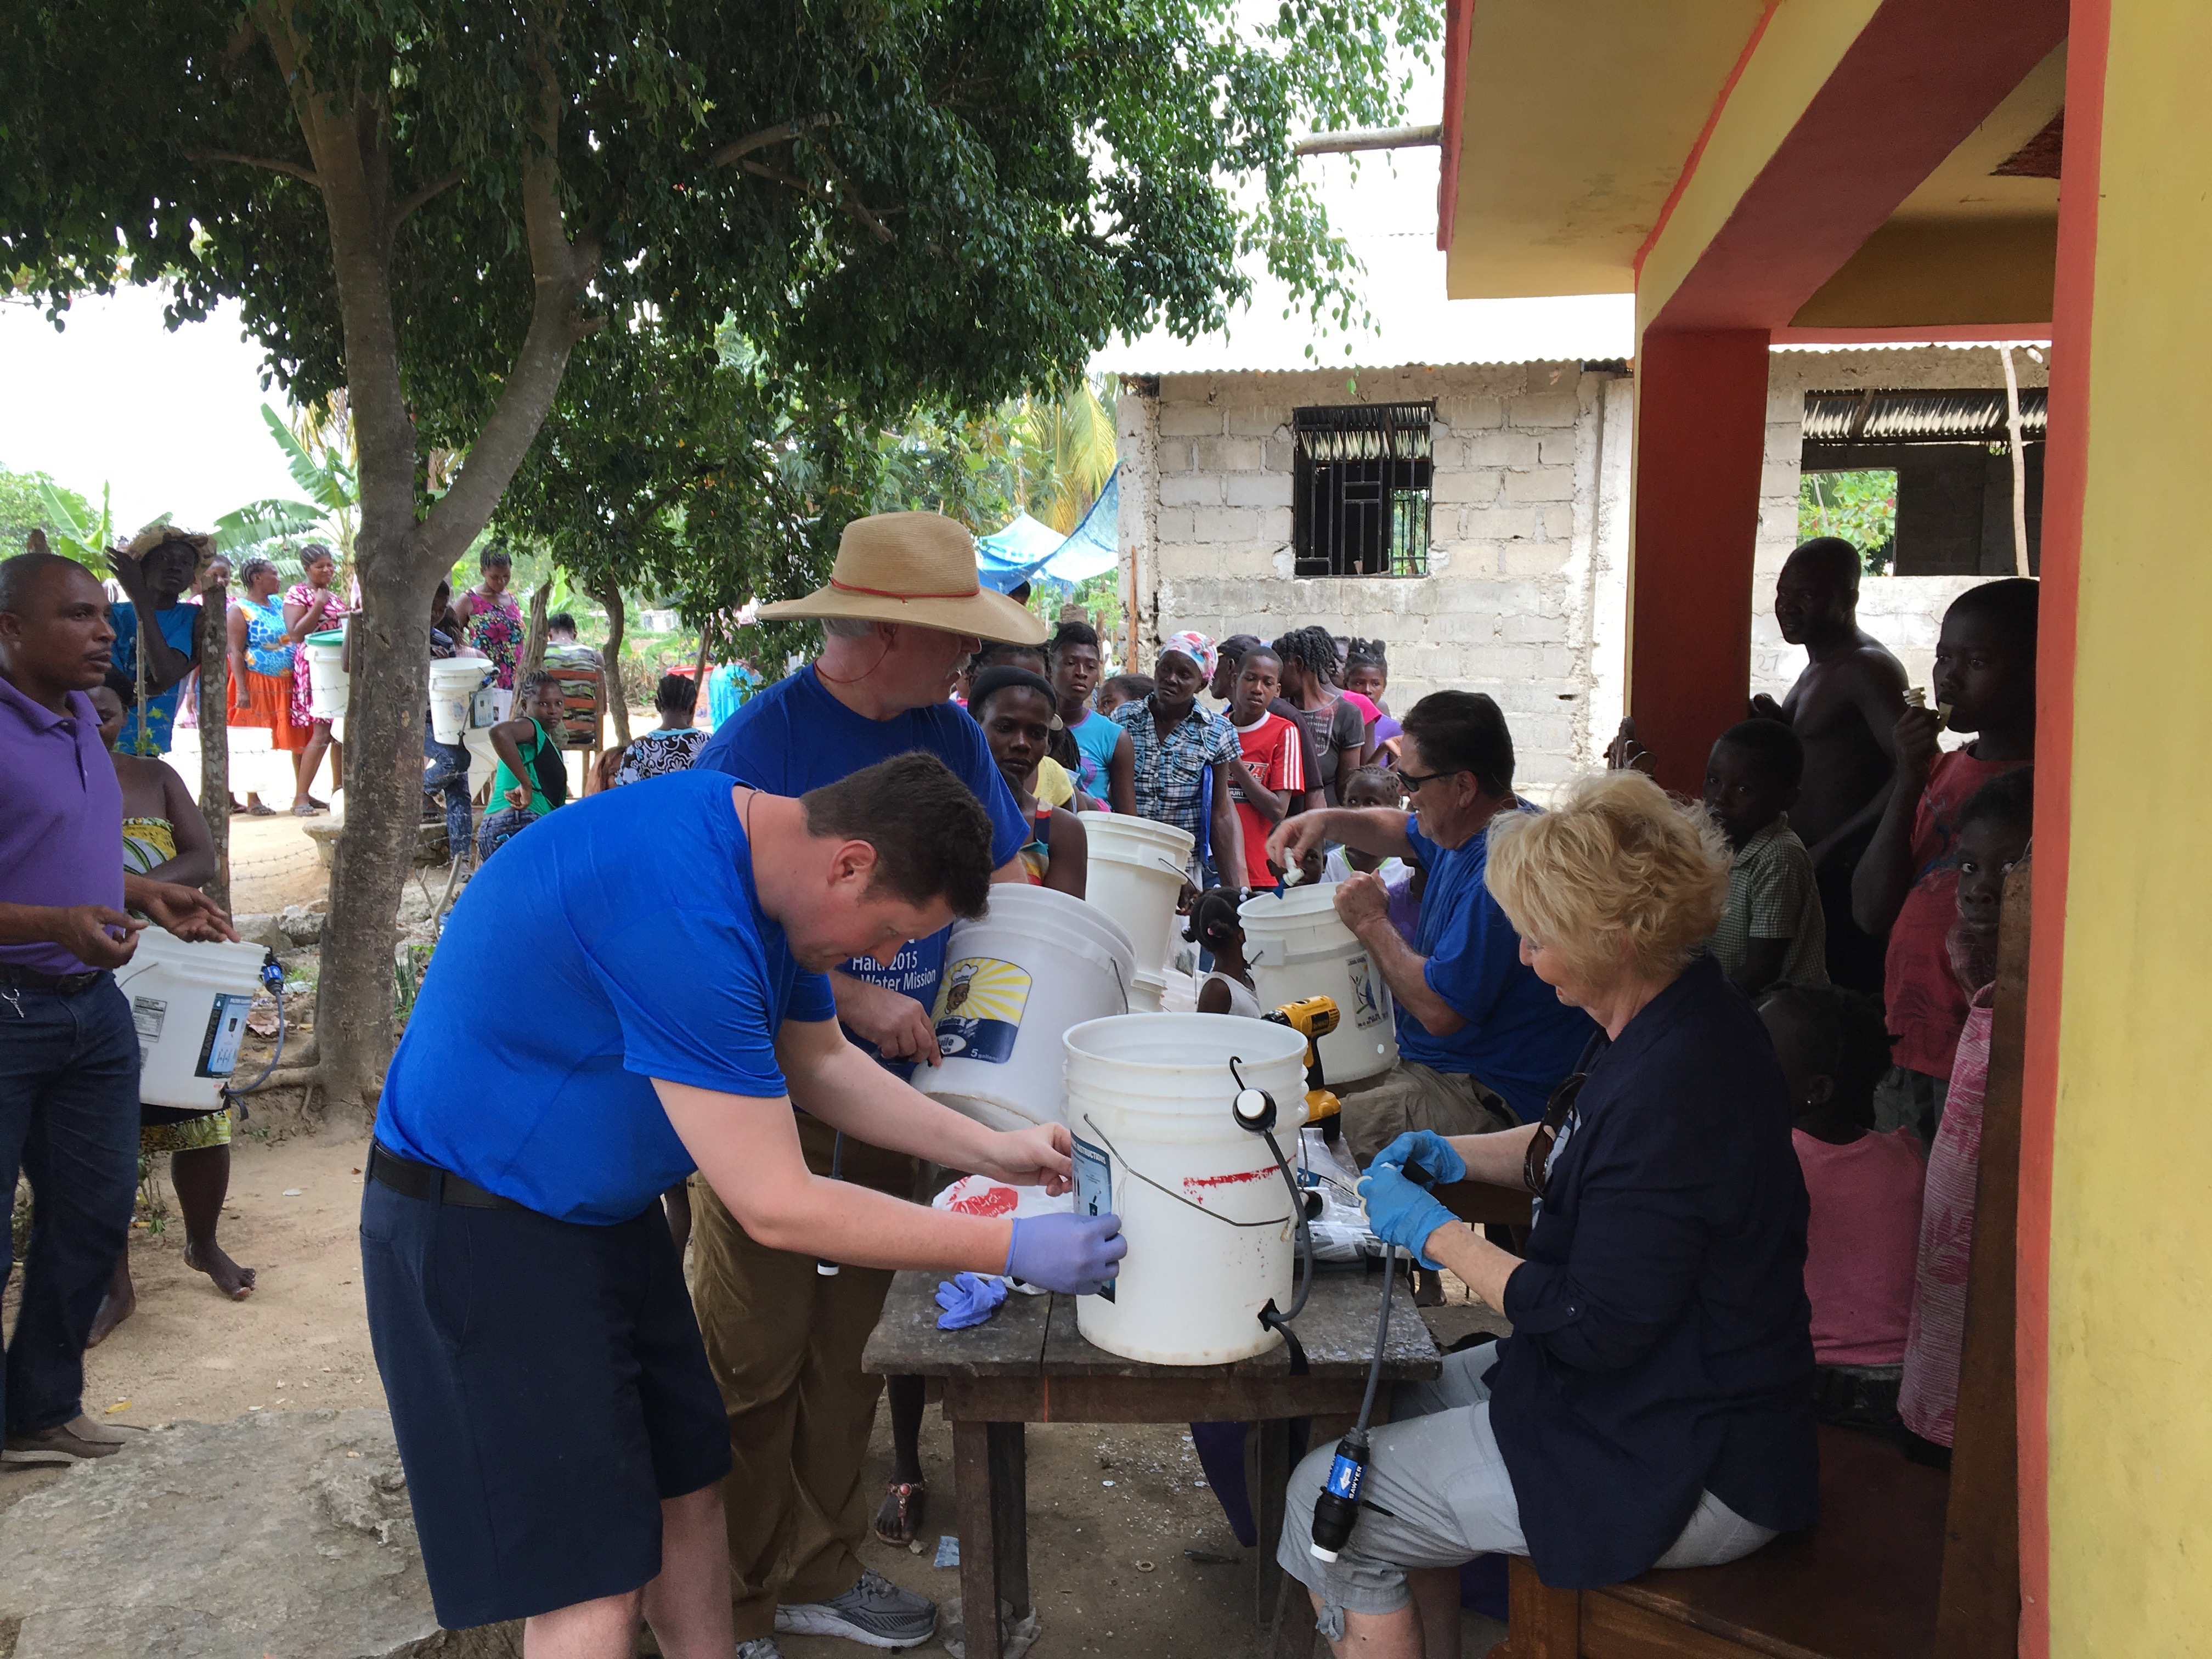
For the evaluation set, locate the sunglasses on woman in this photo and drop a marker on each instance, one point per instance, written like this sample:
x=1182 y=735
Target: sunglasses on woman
x=1536 y=1159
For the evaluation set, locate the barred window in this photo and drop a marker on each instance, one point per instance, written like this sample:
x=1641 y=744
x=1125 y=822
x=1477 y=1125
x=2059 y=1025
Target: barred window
x=1359 y=494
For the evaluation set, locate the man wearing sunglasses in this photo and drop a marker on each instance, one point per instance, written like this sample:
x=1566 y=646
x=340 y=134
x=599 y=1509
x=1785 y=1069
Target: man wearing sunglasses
x=1481 y=1041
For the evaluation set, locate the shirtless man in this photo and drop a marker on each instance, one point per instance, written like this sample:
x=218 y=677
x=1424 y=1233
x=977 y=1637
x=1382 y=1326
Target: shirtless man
x=1843 y=709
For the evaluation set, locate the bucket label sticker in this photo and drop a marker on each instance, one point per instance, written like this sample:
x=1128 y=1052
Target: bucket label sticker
x=148 y=1014
x=979 y=1008
x=1094 y=1190
x=1366 y=1006
x=226 y=1030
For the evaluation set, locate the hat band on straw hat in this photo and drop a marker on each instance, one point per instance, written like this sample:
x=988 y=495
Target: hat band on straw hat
x=888 y=593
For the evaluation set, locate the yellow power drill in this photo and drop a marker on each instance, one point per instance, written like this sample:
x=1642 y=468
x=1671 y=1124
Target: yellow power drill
x=1312 y=1019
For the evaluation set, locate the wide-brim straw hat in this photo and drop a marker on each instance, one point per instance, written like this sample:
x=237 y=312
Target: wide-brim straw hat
x=918 y=569
x=158 y=535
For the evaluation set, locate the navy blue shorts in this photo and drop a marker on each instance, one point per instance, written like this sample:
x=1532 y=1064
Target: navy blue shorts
x=548 y=1389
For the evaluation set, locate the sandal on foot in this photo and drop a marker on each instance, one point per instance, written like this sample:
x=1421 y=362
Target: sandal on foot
x=908 y=1502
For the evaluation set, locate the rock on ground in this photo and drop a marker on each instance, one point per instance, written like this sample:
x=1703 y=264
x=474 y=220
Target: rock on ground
x=280 y=1535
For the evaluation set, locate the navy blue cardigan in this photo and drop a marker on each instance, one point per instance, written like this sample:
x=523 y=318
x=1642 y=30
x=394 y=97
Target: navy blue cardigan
x=1662 y=1342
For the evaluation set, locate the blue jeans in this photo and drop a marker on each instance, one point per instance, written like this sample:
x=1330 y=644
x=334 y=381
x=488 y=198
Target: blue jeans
x=69 y=1120
x=448 y=773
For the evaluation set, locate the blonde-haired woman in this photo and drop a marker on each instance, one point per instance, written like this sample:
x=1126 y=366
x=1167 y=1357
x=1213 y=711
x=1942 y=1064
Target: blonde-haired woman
x=1652 y=1407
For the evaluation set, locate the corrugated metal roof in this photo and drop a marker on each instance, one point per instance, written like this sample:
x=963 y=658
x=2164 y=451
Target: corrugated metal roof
x=1902 y=416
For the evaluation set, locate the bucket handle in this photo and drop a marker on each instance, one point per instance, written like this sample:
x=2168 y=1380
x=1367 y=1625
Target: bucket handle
x=1275 y=1221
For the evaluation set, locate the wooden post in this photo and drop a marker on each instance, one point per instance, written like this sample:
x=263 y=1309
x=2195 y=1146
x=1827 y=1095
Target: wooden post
x=1977 y=1606
x=617 y=697
x=2019 y=464
x=214 y=732
x=534 y=641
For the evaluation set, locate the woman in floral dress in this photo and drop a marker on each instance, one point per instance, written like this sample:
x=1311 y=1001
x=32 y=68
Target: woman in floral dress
x=492 y=616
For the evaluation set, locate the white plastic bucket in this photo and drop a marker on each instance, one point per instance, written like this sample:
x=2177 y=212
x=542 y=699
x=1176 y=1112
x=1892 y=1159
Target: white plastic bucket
x=453 y=683
x=1015 y=979
x=327 y=685
x=1296 y=948
x=1211 y=1231
x=1136 y=875
x=1148 y=991
x=189 y=1002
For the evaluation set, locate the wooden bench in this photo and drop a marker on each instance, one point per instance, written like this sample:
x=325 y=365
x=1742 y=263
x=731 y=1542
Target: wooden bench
x=1903 y=1562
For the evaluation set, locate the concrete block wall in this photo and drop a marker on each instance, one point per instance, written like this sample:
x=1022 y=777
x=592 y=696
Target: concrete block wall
x=1904 y=612
x=1525 y=560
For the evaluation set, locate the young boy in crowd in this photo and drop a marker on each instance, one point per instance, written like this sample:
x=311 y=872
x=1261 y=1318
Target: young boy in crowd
x=1123 y=688
x=1993 y=830
x=1772 y=931
x=1370 y=786
x=1862 y=1235
x=1907 y=882
x=1271 y=758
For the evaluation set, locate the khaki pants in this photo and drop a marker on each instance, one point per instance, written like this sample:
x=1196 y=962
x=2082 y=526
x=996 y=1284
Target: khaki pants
x=1411 y=1096
x=785 y=1344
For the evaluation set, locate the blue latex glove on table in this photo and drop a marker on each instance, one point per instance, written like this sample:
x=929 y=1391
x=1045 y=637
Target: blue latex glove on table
x=1071 y=1254
x=1400 y=1212
x=1427 y=1153
x=969 y=1299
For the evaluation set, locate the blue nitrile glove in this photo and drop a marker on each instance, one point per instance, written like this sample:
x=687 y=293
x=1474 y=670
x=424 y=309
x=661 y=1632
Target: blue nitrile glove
x=969 y=1299
x=1427 y=1153
x=1400 y=1212
x=1071 y=1254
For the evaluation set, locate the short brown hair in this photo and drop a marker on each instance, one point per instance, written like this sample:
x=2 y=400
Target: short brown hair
x=931 y=836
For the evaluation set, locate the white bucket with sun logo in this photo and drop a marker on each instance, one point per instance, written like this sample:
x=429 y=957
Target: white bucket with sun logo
x=1014 y=981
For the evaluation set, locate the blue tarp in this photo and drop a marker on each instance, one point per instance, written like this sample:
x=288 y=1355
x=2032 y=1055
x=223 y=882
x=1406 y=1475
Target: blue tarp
x=1026 y=550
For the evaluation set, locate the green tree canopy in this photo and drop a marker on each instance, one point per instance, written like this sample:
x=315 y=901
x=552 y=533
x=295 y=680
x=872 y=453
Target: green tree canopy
x=432 y=203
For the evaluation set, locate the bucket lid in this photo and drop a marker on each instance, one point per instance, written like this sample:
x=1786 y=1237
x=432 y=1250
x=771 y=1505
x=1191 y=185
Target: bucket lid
x=1134 y=1042
x=329 y=637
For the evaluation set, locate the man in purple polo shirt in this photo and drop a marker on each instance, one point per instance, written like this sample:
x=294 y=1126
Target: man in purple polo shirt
x=69 y=1053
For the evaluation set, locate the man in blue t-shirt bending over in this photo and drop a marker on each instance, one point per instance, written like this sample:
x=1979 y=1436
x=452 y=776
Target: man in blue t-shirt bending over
x=1481 y=1041
x=562 y=1431
x=903 y=608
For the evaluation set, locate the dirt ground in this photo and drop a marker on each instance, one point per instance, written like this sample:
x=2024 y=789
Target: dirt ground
x=1103 y=1500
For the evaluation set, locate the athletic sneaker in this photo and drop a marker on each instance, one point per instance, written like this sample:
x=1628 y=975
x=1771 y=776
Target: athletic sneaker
x=874 y=1611
x=760 y=1647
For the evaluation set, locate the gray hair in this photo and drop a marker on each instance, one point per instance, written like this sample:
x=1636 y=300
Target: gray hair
x=847 y=627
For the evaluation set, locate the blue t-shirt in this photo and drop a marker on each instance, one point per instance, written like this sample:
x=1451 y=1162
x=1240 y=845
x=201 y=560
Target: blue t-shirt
x=619 y=941
x=157 y=715
x=1519 y=1038
x=795 y=737
x=1095 y=738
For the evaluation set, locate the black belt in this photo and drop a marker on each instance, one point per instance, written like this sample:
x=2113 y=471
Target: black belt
x=68 y=985
x=430 y=1183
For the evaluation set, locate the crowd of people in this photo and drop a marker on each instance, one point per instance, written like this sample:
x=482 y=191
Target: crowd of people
x=1734 y=1048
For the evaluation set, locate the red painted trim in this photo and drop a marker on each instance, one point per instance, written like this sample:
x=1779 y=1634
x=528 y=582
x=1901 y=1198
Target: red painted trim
x=1960 y=334
x=2065 y=488
x=1459 y=33
x=1921 y=75
x=1700 y=447
x=1704 y=135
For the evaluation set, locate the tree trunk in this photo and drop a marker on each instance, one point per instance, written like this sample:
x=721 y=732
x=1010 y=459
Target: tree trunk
x=534 y=641
x=214 y=734
x=617 y=693
x=400 y=556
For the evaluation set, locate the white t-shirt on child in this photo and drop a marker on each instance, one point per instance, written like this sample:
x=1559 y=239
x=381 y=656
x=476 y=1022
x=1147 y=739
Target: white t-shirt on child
x=1337 y=868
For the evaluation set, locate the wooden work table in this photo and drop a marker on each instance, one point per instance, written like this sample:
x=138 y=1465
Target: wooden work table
x=1030 y=1365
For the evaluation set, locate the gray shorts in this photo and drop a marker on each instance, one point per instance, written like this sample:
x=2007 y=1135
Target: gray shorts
x=1411 y=1096
x=1437 y=1494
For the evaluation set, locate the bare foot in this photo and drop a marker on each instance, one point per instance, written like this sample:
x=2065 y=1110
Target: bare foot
x=233 y=1280
x=118 y=1305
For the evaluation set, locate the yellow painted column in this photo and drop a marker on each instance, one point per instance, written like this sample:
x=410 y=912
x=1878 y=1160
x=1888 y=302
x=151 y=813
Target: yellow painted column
x=2129 y=1406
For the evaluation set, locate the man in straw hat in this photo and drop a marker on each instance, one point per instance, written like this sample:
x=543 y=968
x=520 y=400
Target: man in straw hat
x=902 y=610
x=155 y=571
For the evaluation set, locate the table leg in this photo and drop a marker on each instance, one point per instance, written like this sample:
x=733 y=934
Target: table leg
x=1271 y=1477
x=990 y=1463
x=1293 y=1637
